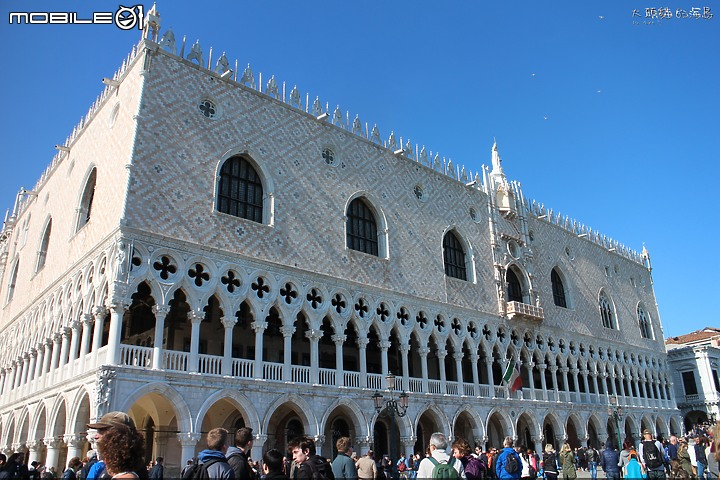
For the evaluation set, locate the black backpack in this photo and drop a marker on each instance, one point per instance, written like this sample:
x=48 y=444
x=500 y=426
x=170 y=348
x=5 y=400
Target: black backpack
x=199 y=471
x=651 y=454
x=320 y=467
x=511 y=463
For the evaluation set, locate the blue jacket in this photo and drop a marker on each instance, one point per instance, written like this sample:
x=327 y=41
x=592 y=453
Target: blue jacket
x=502 y=460
x=219 y=469
x=609 y=459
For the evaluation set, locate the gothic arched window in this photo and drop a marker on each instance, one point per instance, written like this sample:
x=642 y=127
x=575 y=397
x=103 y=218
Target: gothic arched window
x=606 y=311
x=86 y=201
x=514 y=287
x=240 y=191
x=644 y=322
x=558 y=289
x=13 y=281
x=454 y=257
x=361 y=228
x=42 y=253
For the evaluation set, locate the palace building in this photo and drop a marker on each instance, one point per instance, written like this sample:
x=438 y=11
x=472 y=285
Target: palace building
x=206 y=251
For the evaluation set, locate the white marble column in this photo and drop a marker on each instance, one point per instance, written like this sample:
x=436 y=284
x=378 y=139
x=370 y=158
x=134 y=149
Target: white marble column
x=543 y=382
x=423 y=352
x=53 y=452
x=404 y=352
x=87 y=325
x=531 y=380
x=33 y=448
x=228 y=324
x=474 y=359
x=339 y=340
x=98 y=327
x=384 y=346
x=24 y=369
x=259 y=328
x=458 y=356
x=196 y=319
x=488 y=361
x=117 y=309
x=287 y=333
x=75 y=443
x=64 y=353
x=553 y=375
x=362 y=347
x=314 y=337
x=160 y=312
x=188 y=441
x=47 y=358
x=33 y=364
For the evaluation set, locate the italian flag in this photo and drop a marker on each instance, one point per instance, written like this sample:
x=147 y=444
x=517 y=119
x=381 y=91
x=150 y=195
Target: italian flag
x=512 y=375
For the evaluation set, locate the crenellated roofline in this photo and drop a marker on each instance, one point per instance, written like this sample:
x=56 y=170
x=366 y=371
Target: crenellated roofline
x=396 y=145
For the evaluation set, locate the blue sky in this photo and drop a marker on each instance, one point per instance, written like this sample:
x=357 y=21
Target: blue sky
x=600 y=115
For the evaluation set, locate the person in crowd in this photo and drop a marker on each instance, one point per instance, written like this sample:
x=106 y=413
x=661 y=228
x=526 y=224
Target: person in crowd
x=672 y=447
x=157 y=472
x=3 y=463
x=122 y=449
x=550 y=462
x=610 y=461
x=592 y=457
x=625 y=454
x=188 y=464
x=74 y=465
x=386 y=465
x=343 y=466
x=15 y=466
x=91 y=460
x=111 y=419
x=527 y=472
x=367 y=470
x=651 y=456
x=309 y=464
x=633 y=469
x=501 y=471
x=273 y=465
x=213 y=457
x=402 y=466
x=473 y=466
x=437 y=448
x=684 y=457
x=567 y=462
x=238 y=456
x=701 y=456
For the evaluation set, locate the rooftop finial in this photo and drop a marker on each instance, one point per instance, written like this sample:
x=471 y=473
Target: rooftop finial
x=496 y=158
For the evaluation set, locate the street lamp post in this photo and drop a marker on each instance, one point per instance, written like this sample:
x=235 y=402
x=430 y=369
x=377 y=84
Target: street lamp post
x=616 y=411
x=395 y=407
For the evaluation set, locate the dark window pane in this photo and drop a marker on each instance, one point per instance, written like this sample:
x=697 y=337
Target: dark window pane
x=240 y=191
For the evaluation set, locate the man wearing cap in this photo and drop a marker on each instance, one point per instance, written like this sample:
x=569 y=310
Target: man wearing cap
x=651 y=456
x=108 y=420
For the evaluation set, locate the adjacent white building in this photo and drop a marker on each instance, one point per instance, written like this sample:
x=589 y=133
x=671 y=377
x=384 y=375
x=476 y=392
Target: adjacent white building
x=694 y=360
x=206 y=251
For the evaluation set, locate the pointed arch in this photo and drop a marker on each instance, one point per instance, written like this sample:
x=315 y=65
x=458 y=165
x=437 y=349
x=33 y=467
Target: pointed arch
x=84 y=210
x=559 y=289
x=44 y=245
x=454 y=255
x=365 y=226
x=607 y=310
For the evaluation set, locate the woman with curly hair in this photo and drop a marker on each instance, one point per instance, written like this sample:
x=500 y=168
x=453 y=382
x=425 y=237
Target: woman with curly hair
x=123 y=450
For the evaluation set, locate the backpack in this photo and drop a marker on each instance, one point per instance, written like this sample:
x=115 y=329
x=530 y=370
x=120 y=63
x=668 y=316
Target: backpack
x=444 y=471
x=651 y=454
x=511 y=463
x=402 y=466
x=83 y=473
x=198 y=471
x=320 y=468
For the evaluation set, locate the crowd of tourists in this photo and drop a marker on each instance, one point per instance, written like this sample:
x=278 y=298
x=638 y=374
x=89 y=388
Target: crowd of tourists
x=120 y=449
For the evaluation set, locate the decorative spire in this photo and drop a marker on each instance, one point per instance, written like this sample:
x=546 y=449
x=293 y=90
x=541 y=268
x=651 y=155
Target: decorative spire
x=496 y=159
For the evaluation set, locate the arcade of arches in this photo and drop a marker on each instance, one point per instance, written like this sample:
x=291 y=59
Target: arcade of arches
x=53 y=431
